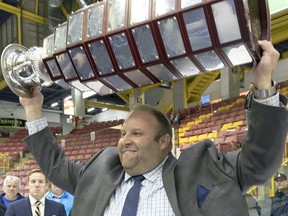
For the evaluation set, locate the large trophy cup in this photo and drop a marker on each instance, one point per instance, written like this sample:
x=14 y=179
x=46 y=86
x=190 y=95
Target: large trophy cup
x=116 y=45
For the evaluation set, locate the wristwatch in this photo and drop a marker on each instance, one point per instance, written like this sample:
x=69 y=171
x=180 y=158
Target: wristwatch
x=265 y=93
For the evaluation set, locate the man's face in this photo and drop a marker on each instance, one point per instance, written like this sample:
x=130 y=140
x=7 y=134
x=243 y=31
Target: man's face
x=37 y=185
x=138 y=151
x=11 y=189
x=281 y=184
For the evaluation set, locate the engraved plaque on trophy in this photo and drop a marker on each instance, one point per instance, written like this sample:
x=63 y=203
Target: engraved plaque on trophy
x=48 y=58
x=171 y=37
x=161 y=72
x=116 y=14
x=225 y=17
x=53 y=68
x=145 y=44
x=66 y=66
x=138 y=77
x=75 y=28
x=122 y=52
x=60 y=37
x=101 y=57
x=185 y=66
x=117 y=82
x=99 y=87
x=210 y=60
x=95 y=21
x=81 y=63
x=197 y=29
x=237 y=54
x=189 y=3
x=139 y=11
x=164 y=7
x=48 y=45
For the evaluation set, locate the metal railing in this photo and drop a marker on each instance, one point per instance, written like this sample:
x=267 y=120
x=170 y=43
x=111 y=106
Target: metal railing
x=4 y=162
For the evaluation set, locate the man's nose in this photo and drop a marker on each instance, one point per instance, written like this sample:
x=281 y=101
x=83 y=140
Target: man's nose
x=126 y=139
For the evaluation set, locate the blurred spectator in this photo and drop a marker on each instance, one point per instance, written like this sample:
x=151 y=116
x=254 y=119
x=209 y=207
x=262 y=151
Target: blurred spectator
x=61 y=196
x=174 y=119
x=248 y=101
x=11 y=188
x=280 y=200
x=36 y=203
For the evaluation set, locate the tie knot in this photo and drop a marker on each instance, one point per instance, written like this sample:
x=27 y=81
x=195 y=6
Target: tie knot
x=138 y=178
x=38 y=203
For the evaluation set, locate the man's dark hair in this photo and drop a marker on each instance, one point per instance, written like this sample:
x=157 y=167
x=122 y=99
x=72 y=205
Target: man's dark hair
x=165 y=126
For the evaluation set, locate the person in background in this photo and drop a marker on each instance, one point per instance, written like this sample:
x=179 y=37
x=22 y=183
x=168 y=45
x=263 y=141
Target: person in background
x=172 y=116
x=36 y=204
x=61 y=196
x=200 y=182
x=279 y=206
x=248 y=102
x=11 y=188
x=175 y=118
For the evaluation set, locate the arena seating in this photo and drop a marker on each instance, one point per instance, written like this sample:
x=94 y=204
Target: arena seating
x=212 y=122
x=223 y=122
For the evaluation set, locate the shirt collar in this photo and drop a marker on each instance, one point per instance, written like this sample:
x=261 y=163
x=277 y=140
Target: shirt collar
x=59 y=197
x=152 y=175
x=33 y=200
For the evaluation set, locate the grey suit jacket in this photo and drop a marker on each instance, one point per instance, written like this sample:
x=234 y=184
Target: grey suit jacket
x=23 y=208
x=222 y=178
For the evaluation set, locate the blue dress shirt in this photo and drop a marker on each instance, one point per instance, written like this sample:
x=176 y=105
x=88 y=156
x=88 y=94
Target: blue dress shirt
x=66 y=199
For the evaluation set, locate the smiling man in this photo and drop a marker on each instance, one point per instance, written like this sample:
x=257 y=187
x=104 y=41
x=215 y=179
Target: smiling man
x=201 y=182
x=36 y=204
x=11 y=188
x=145 y=143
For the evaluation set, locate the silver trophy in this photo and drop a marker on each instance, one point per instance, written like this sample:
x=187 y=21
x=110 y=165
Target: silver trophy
x=117 y=45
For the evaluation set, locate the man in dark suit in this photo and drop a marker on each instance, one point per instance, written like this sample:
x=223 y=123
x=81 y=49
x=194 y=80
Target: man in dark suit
x=201 y=182
x=37 y=185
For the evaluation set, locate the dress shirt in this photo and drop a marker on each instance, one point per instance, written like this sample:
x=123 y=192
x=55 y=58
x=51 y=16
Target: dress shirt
x=33 y=204
x=271 y=101
x=66 y=199
x=153 y=200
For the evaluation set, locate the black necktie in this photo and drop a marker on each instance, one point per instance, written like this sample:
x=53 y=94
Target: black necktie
x=131 y=202
x=37 y=209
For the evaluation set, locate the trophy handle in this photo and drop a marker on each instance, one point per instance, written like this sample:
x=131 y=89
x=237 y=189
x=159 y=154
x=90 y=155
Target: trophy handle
x=22 y=69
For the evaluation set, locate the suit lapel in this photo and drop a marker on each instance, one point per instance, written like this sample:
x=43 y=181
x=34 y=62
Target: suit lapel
x=27 y=207
x=169 y=183
x=47 y=207
x=112 y=180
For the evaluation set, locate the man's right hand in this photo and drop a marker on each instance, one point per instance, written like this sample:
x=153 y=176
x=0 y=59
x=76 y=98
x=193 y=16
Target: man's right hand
x=33 y=105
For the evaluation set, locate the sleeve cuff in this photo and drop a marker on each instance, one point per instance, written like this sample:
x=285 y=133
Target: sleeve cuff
x=36 y=126
x=271 y=101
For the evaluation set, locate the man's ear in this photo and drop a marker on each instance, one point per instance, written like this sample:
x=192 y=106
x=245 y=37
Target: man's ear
x=47 y=186
x=165 y=141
